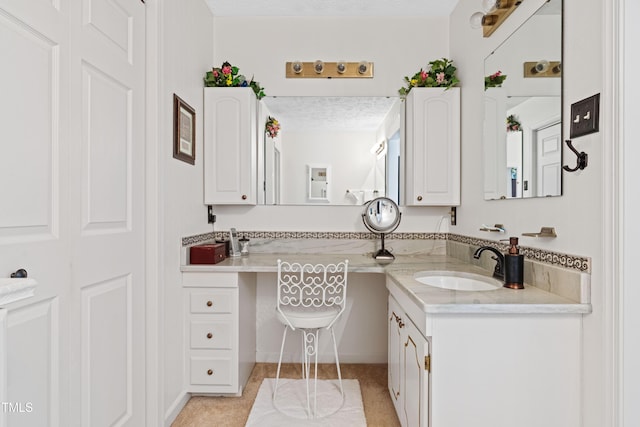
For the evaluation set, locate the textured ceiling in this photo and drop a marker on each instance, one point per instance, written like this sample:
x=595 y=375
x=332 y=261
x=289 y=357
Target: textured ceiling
x=345 y=113
x=332 y=7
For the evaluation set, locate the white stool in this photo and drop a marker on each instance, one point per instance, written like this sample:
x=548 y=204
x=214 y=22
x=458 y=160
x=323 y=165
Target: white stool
x=310 y=297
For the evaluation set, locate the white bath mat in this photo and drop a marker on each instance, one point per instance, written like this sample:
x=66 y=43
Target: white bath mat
x=290 y=408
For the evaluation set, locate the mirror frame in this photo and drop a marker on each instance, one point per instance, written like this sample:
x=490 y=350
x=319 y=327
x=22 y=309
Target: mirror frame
x=561 y=104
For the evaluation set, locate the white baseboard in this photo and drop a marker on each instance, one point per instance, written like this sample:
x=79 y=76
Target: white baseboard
x=175 y=408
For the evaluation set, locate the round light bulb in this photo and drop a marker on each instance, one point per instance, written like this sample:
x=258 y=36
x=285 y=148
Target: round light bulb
x=296 y=67
x=341 y=66
x=488 y=5
x=318 y=66
x=363 y=66
x=476 y=20
x=542 y=66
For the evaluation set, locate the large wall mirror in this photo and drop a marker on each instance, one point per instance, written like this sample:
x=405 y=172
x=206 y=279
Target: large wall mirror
x=330 y=150
x=522 y=133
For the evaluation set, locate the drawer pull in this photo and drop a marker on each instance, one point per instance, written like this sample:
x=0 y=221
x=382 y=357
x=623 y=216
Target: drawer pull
x=209 y=303
x=210 y=372
x=209 y=335
x=419 y=198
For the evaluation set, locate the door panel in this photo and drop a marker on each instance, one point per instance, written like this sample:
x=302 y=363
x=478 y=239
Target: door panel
x=33 y=360
x=549 y=148
x=107 y=226
x=73 y=160
x=33 y=231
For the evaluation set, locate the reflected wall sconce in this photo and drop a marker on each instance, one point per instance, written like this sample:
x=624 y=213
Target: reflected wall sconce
x=543 y=68
x=329 y=70
x=379 y=149
x=495 y=13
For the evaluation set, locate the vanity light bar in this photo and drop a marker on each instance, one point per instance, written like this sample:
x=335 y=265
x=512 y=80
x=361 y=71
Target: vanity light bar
x=493 y=19
x=543 y=69
x=328 y=70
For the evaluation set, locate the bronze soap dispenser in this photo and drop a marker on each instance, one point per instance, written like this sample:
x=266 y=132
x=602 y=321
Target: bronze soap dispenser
x=513 y=266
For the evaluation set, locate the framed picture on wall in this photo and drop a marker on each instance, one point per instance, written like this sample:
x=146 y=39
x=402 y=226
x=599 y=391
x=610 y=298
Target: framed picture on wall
x=184 y=131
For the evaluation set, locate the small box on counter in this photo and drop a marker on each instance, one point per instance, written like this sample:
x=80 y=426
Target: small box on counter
x=211 y=253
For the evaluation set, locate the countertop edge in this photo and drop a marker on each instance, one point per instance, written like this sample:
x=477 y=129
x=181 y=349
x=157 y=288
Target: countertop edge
x=400 y=272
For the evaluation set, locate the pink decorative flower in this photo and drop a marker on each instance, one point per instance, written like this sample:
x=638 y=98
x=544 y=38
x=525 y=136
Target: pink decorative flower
x=226 y=69
x=440 y=78
x=215 y=73
x=423 y=75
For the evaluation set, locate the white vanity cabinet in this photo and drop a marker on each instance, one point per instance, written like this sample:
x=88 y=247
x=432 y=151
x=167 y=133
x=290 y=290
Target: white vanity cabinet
x=483 y=368
x=432 y=131
x=230 y=146
x=218 y=306
x=409 y=364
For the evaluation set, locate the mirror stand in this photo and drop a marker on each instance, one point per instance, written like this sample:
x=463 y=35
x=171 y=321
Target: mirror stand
x=382 y=215
x=383 y=254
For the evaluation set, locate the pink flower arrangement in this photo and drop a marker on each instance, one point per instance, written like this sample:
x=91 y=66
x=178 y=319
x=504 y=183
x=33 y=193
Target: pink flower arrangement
x=441 y=73
x=494 y=80
x=272 y=127
x=228 y=75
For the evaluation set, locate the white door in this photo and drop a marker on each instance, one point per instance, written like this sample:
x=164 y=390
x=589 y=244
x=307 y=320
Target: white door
x=549 y=161
x=34 y=232
x=107 y=321
x=71 y=209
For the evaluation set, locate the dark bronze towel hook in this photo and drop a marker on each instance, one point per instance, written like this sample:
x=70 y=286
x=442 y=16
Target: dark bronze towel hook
x=582 y=158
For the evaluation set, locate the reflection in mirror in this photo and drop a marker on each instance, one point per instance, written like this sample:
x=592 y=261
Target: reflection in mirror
x=522 y=131
x=356 y=138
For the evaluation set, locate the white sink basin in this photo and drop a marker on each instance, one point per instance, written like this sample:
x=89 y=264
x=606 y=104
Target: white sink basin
x=457 y=281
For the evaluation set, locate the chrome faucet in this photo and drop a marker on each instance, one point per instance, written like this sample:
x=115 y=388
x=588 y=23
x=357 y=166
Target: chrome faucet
x=498 y=271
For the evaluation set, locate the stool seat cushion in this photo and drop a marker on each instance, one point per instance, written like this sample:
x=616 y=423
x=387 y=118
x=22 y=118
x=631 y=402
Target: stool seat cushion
x=308 y=317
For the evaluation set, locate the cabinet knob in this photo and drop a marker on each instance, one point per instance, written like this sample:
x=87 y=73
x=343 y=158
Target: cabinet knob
x=209 y=335
x=244 y=197
x=210 y=372
x=209 y=303
x=419 y=198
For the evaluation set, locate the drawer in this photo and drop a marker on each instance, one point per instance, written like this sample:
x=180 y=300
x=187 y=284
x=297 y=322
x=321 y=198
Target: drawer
x=212 y=334
x=211 y=370
x=201 y=279
x=213 y=301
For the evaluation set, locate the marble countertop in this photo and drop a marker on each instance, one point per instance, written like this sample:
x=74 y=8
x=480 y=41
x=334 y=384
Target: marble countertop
x=530 y=300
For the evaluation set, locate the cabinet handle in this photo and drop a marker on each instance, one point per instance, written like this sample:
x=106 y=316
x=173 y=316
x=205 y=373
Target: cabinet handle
x=210 y=372
x=419 y=198
x=400 y=323
x=209 y=303
x=209 y=335
x=244 y=197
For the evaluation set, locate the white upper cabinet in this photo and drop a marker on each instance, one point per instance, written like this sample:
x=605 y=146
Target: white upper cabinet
x=432 y=147
x=230 y=146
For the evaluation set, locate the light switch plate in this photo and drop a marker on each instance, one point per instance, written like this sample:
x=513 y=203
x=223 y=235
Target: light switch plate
x=585 y=116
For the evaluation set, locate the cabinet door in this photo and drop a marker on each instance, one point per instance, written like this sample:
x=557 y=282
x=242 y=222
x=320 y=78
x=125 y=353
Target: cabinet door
x=433 y=147
x=415 y=378
x=230 y=146
x=494 y=142
x=395 y=343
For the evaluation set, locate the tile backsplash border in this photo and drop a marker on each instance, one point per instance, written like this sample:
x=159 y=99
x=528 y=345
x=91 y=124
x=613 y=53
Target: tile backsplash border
x=558 y=259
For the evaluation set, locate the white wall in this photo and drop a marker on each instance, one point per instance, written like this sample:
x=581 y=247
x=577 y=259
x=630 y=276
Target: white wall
x=578 y=214
x=186 y=49
x=261 y=47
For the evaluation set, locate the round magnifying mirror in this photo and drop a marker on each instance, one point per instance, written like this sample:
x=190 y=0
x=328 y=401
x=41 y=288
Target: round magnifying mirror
x=381 y=215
